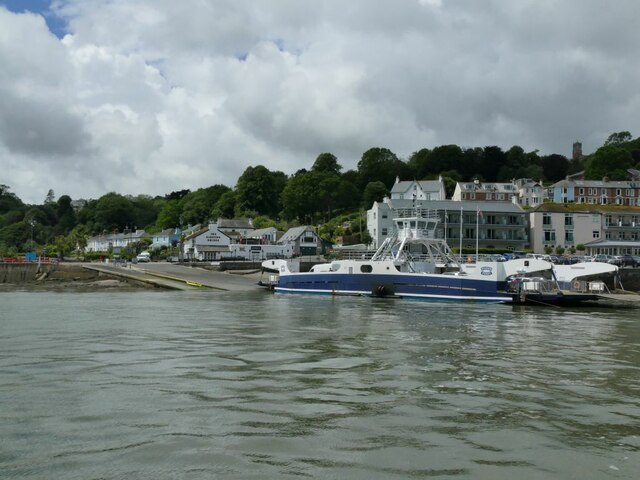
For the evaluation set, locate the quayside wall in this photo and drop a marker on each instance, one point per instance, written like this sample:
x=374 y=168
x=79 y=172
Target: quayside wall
x=23 y=273
x=20 y=273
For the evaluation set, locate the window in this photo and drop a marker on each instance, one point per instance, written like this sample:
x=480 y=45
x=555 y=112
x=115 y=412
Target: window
x=596 y=234
x=366 y=268
x=488 y=196
x=568 y=236
x=581 y=191
x=384 y=232
x=549 y=236
x=568 y=220
x=546 y=219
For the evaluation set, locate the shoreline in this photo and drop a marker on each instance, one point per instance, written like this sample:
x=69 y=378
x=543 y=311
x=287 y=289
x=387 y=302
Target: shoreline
x=93 y=277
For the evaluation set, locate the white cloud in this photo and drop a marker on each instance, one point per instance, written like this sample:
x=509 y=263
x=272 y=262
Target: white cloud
x=151 y=96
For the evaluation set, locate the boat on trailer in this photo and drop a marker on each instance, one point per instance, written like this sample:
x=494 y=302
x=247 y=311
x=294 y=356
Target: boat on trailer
x=412 y=263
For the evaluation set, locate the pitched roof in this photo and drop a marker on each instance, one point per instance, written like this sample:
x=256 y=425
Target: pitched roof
x=425 y=185
x=293 y=233
x=244 y=223
x=598 y=183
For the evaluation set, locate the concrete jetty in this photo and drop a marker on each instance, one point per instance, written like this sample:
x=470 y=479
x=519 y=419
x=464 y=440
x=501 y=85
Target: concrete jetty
x=180 y=277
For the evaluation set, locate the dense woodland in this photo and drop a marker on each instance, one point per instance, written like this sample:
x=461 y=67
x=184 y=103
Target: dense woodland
x=322 y=195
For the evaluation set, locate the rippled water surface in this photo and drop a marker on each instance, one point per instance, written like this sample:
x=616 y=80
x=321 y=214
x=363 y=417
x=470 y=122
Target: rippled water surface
x=240 y=386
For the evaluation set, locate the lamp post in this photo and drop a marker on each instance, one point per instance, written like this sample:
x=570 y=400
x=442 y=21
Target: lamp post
x=180 y=240
x=32 y=222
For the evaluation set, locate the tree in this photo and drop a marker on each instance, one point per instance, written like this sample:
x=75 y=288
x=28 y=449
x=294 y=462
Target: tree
x=50 y=196
x=554 y=167
x=618 y=138
x=490 y=162
x=146 y=210
x=380 y=164
x=610 y=161
x=309 y=193
x=169 y=215
x=443 y=158
x=258 y=190
x=374 y=192
x=450 y=179
x=417 y=163
x=66 y=215
x=178 y=195
x=326 y=162
x=196 y=206
x=520 y=164
x=113 y=212
x=8 y=200
x=225 y=206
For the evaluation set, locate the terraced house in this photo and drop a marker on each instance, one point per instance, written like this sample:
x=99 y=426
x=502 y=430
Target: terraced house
x=597 y=192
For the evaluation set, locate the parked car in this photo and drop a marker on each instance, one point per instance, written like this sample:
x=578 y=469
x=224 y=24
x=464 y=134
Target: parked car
x=143 y=257
x=615 y=260
x=628 y=261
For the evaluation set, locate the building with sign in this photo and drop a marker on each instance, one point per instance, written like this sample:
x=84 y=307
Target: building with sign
x=213 y=243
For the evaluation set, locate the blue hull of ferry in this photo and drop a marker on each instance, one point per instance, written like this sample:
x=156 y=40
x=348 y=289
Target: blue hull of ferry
x=427 y=287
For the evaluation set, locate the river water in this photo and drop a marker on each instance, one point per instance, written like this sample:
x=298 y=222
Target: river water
x=168 y=385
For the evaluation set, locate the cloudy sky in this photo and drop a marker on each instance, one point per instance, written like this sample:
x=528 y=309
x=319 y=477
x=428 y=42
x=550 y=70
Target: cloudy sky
x=152 y=96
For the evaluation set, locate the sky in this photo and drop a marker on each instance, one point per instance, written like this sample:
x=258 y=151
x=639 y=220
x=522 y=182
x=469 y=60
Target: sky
x=155 y=96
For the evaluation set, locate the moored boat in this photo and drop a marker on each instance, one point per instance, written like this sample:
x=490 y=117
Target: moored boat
x=546 y=291
x=412 y=263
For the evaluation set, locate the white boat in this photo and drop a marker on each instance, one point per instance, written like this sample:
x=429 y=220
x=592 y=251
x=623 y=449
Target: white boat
x=412 y=263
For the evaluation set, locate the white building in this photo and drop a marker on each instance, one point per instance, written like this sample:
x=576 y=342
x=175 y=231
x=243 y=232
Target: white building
x=552 y=226
x=500 y=225
x=214 y=243
x=113 y=241
x=612 y=230
x=418 y=190
x=530 y=192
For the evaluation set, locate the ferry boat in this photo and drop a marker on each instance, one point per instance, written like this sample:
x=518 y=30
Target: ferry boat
x=412 y=263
